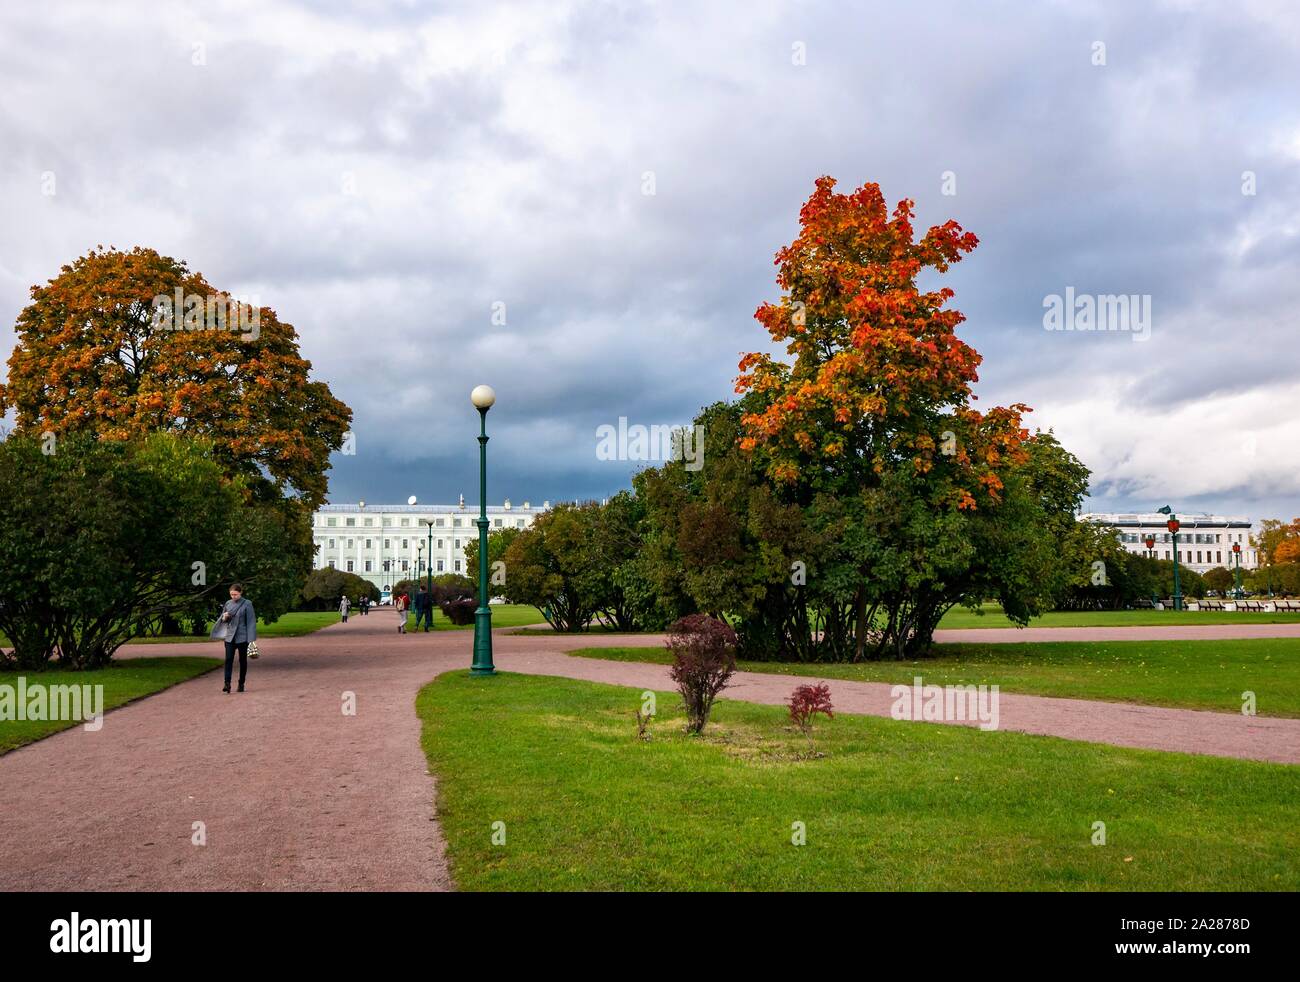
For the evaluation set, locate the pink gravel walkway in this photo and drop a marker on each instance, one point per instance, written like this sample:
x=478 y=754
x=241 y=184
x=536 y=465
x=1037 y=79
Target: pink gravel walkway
x=296 y=795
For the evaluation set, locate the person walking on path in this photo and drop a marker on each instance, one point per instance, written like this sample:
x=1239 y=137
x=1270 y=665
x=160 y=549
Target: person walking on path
x=236 y=626
x=344 y=605
x=400 y=604
x=423 y=609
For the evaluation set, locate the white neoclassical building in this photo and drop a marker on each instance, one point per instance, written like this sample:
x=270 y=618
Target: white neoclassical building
x=388 y=543
x=1204 y=541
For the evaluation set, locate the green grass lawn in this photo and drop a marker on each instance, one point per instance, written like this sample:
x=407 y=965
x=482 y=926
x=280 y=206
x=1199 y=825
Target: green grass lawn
x=503 y=615
x=1192 y=674
x=123 y=682
x=991 y=615
x=890 y=805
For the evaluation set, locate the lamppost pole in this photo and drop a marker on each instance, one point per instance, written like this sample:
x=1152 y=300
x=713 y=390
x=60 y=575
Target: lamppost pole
x=1151 y=554
x=1173 y=526
x=1178 y=592
x=1236 y=555
x=482 y=397
x=429 y=581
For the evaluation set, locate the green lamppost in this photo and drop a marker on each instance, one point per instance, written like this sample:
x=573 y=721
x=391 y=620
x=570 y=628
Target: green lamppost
x=429 y=582
x=482 y=397
x=1173 y=526
x=1236 y=555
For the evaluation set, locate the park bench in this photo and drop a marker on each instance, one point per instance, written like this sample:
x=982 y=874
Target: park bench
x=1286 y=605
x=1143 y=605
x=1250 y=605
x=1211 y=605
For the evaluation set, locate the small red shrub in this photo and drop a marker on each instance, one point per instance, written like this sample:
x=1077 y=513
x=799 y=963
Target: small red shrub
x=809 y=700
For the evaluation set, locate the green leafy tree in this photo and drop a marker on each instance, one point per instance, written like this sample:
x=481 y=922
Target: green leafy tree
x=156 y=522
x=554 y=566
x=1219 y=579
x=324 y=588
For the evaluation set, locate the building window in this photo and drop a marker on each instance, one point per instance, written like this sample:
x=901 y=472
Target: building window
x=456 y=522
x=1166 y=553
x=406 y=543
x=405 y=565
x=369 y=543
x=349 y=565
x=457 y=565
x=331 y=522
x=350 y=522
x=458 y=543
x=496 y=523
x=442 y=522
x=519 y=523
x=331 y=564
x=440 y=567
x=370 y=522
x=331 y=543
x=406 y=523
x=440 y=543
x=352 y=543
x=367 y=565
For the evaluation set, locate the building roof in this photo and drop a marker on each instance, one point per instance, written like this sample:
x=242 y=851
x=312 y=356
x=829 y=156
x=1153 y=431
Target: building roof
x=1140 y=520
x=355 y=508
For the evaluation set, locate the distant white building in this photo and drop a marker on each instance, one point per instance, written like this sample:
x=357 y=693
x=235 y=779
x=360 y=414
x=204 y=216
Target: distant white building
x=1204 y=541
x=388 y=543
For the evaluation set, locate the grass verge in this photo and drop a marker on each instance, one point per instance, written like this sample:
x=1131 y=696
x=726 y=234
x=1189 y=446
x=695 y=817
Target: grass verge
x=123 y=682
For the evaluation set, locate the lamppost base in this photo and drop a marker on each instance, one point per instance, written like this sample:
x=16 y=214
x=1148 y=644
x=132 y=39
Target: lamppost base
x=482 y=663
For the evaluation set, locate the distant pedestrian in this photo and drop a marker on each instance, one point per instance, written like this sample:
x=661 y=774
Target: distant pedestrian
x=344 y=605
x=424 y=609
x=365 y=604
x=400 y=604
x=236 y=626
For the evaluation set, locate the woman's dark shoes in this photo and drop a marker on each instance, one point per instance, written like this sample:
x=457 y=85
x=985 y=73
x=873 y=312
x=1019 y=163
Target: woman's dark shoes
x=241 y=688
x=225 y=688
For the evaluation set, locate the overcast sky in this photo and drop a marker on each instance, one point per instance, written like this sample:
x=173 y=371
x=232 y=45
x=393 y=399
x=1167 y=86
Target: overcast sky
x=383 y=173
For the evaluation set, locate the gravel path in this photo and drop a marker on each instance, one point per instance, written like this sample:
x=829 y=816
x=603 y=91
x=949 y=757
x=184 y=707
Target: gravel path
x=296 y=795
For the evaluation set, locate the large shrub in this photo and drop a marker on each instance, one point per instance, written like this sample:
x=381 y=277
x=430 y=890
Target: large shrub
x=460 y=611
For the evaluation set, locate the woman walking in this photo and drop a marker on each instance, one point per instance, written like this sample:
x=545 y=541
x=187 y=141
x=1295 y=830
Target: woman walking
x=400 y=604
x=236 y=626
x=344 y=605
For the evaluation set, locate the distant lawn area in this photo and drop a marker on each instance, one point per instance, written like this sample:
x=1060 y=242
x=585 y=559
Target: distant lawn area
x=123 y=682
x=1190 y=674
x=503 y=615
x=959 y=618
x=586 y=805
x=291 y=625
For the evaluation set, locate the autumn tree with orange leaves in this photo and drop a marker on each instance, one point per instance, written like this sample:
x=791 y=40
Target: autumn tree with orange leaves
x=93 y=356
x=869 y=427
x=879 y=376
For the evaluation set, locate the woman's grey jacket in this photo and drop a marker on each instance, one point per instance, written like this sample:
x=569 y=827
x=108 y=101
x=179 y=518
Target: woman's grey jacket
x=242 y=625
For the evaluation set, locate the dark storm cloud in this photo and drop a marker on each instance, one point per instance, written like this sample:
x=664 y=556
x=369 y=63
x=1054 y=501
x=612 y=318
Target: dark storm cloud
x=384 y=173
